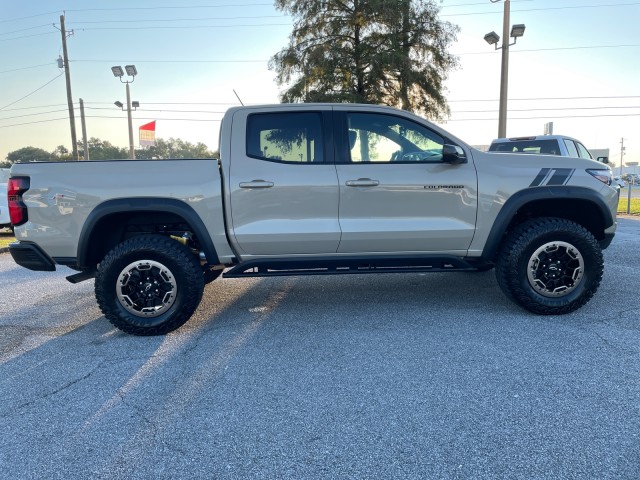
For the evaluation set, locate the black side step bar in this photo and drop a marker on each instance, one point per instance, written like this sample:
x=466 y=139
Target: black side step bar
x=266 y=267
x=81 y=276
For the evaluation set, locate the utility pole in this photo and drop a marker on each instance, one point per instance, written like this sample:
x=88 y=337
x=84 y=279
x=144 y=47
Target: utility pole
x=72 y=119
x=84 y=131
x=621 y=154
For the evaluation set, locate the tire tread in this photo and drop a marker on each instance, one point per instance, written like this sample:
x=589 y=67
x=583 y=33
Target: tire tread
x=508 y=274
x=158 y=246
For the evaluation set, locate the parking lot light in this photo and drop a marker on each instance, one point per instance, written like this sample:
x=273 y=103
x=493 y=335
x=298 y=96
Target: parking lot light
x=131 y=72
x=493 y=38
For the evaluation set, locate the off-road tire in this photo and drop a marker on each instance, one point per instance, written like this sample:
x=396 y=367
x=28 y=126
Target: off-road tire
x=550 y=266
x=154 y=260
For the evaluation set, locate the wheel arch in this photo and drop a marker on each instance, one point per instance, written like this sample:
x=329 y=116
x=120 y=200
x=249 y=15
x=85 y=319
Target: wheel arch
x=106 y=225
x=579 y=204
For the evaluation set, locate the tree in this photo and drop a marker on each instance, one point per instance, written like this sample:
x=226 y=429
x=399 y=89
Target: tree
x=104 y=150
x=393 y=52
x=28 y=154
x=61 y=153
x=174 y=148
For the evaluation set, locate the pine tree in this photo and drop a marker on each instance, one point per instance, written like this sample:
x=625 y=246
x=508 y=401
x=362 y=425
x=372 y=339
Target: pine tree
x=392 y=52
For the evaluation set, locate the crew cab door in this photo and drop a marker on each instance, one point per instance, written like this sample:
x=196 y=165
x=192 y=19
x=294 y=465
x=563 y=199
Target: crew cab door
x=283 y=184
x=397 y=194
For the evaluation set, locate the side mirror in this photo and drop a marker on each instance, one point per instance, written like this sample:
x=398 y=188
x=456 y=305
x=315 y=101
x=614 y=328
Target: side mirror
x=453 y=154
x=604 y=160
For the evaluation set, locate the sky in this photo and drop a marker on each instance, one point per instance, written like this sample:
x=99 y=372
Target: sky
x=577 y=65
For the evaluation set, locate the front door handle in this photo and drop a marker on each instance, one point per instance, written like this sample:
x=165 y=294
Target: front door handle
x=362 y=182
x=256 y=184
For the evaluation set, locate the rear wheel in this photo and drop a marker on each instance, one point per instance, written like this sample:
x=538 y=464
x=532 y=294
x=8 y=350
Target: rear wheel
x=550 y=266
x=149 y=285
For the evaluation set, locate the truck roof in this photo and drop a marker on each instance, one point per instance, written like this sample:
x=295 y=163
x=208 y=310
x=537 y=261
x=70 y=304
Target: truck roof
x=534 y=137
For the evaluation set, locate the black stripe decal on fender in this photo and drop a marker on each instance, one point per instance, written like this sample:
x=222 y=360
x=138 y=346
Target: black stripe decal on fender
x=561 y=176
x=552 y=176
x=540 y=177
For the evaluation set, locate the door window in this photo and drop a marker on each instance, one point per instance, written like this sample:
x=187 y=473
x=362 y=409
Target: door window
x=379 y=138
x=285 y=137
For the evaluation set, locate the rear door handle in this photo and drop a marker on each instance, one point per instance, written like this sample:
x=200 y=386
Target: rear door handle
x=256 y=184
x=362 y=182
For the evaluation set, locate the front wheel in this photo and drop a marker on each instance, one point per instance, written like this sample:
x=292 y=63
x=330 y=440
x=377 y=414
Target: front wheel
x=149 y=285
x=550 y=266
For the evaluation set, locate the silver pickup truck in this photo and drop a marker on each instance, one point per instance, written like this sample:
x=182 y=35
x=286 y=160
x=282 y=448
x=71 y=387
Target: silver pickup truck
x=315 y=189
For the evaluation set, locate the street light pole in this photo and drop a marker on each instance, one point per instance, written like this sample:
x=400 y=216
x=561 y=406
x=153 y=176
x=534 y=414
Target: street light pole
x=131 y=72
x=504 y=72
x=132 y=153
x=493 y=38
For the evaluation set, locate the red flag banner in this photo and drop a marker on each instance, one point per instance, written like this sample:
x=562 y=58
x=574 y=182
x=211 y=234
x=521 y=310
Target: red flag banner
x=148 y=134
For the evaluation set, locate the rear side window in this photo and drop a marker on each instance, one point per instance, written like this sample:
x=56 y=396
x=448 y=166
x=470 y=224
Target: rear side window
x=571 y=148
x=285 y=137
x=545 y=147
x=583 y=152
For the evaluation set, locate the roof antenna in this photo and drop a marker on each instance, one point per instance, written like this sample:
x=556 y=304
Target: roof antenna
x=238 y=97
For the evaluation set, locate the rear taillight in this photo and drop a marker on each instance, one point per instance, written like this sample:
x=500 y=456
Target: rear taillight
x=16 y=186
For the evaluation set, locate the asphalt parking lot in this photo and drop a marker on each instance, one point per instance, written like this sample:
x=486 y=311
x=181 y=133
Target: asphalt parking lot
x=367 y=376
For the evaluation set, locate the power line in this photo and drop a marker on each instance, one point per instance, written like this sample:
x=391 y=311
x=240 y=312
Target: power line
x=182 y=7
x=34 y=122
x=235 y=5
x=163 y=119
x=190 y=27
x=173 y=61
x=25 y=29
x=171 y=103
x=27 y=36
x=266 y=60
x=36 y=106
x=551 y=49
x=28 y=94
x=547 y=117
x=114 y=118
x=549 y=98
x=196 y=6
x=602 y=97
x=219 y=120
x=29 y=16
x=545 y=109
x=469 y=100
x=33 y=114
x=543 y=9
x=479 y=3
x=201 y=19
x=161 y=110
x=27 y=68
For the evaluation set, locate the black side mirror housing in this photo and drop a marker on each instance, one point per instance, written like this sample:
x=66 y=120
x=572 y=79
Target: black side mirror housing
x=453 y=155
x=604 y=160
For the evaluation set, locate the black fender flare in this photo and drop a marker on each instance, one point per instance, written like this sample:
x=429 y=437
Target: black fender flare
x=528 y=195
x=146 y=204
